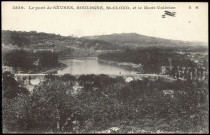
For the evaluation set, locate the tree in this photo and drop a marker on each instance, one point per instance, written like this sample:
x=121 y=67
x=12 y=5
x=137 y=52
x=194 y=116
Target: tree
x=14 y=114
x=11 y=87
x=47 y=59
x=68 y=77
x=51 y=105
x=18 y=58
x=14 y=102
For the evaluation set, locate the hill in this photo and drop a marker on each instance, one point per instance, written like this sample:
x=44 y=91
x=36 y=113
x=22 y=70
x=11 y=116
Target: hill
x=137 y=40
x=35 y=40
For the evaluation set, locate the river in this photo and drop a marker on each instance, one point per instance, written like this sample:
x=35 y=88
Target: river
x=90 y=65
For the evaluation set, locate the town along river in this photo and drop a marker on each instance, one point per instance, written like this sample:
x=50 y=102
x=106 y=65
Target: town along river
x=91 y=65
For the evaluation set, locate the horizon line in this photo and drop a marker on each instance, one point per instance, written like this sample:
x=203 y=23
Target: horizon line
x=76 y=36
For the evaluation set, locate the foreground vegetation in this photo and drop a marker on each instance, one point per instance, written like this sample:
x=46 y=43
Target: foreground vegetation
x=103 y=102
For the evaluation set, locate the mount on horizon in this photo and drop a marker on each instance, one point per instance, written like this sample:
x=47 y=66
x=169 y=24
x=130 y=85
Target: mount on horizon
x=138 y=40
x=35 y=40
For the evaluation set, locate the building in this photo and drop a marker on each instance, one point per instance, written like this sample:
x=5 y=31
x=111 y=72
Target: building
x=8 y=69
x=129 y=79
x=168 y=92
x=165 y=70
x=36 y=63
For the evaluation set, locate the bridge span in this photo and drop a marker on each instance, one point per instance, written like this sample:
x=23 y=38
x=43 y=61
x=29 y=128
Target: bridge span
x=32 y=80
x=111 y=75
x=125 y=76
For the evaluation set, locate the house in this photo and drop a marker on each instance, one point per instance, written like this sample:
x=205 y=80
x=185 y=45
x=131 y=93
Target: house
x=35 y=81
x=169 y=92
x=36 y=63
x=165 y=69
x=8 y=69
x=129 y=79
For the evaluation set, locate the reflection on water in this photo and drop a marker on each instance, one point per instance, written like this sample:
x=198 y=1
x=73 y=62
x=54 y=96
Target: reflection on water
x=90 y=65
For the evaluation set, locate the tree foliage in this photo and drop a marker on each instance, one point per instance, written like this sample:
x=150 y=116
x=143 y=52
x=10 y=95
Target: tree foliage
x=151 y=58
x=25 y=59
x=103 y=101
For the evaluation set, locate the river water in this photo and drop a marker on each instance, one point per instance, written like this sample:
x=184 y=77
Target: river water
x=90 y=65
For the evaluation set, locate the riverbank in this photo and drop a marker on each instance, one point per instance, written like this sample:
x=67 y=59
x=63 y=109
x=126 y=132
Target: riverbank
x=50 y=70
x=73 y=57
x=55 y=69
x=126 y=65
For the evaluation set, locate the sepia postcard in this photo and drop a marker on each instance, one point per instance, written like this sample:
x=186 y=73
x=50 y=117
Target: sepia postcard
x=105 y=67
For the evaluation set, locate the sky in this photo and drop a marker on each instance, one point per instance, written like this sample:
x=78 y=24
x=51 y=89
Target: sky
x=188 y=24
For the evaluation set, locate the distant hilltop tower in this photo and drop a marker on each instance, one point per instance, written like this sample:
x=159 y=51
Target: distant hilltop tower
x=169 y=59
x=148 y=55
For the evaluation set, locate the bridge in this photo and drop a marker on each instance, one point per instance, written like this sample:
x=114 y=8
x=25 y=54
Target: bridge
x=40 y=77
x=111 y=75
